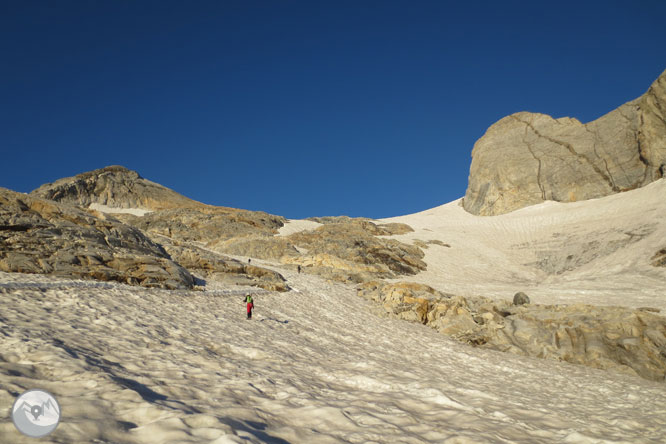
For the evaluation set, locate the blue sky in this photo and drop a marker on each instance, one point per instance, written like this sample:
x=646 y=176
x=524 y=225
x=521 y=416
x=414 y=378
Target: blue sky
x=303 y=108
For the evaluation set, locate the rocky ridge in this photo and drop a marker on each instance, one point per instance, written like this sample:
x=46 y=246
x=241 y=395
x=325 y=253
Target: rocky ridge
x=616 y=338
x=527 y=158
x=343 y=249
x=172 y=221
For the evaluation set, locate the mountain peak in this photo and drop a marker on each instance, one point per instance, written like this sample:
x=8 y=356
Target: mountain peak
x=114 y=186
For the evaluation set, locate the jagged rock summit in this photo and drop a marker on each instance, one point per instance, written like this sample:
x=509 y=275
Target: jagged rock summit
x=528 y=158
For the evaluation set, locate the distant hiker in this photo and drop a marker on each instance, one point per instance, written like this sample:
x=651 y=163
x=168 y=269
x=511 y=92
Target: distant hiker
x=299 y=269
x=250 y=305
x=249 y=260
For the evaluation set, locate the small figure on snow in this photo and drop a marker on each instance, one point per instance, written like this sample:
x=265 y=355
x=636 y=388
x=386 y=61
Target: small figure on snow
x=250 y=305
x=299 y=269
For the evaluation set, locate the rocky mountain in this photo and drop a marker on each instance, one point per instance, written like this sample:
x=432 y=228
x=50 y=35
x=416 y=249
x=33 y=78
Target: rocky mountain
x=170 y=220
x=527 y=158
x=200 y=237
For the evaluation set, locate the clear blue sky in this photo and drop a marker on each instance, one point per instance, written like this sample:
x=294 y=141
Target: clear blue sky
x=303 y=108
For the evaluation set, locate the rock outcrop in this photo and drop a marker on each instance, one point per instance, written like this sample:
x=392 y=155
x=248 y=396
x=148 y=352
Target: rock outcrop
x=390 y=229
x=358 y=244
x=114 y=186
x=343 y=249
x=207 y=225
x=171 y=214
x=527 y=158
x=617 y=338
x=173 y=221
x=42 y=236
x=212 y=266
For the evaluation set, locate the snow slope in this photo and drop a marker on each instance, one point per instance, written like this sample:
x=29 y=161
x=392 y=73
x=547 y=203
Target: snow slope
x=316 y=365
x=596 y=251
x=320 y=365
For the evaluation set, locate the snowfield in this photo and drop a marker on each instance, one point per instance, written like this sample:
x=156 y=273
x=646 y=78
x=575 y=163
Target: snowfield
x=595 y=252
x=321 y=365
x=316 y=365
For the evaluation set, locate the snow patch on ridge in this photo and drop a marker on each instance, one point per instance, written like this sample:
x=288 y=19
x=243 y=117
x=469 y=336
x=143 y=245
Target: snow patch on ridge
x=111 y=210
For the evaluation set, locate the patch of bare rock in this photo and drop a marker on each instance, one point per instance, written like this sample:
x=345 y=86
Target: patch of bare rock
x=615 y=338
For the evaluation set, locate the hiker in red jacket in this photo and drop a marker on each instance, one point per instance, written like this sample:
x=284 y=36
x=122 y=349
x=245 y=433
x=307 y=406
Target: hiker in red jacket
x=250 y=305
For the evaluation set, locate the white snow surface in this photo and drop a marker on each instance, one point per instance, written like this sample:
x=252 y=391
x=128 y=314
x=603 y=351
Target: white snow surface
x=111 y=210
x=316 y=365
x=297 y=225
x=614 y=237
x=321 y=365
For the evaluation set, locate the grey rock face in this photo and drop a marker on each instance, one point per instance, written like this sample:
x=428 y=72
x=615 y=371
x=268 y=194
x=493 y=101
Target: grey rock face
x=41 y=236
x=527 y=158
x=615 y=338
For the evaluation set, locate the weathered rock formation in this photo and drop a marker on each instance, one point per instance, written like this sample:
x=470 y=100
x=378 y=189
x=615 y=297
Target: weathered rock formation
x=622 y=339
x=42 y=236
x=172 y=214
x=343 y=249
x=527 y=158
x=114 y=186
x=173 y=221
x=212 y=266
x=213 y=224
x=358 y=243
x=390 y=229
x=261 y=247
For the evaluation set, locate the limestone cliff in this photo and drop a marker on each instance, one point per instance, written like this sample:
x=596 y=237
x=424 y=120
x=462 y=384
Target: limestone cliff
x=527 y=158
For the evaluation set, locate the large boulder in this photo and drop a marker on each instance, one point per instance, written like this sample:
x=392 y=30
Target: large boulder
x=42 y=236
x=527 y=158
